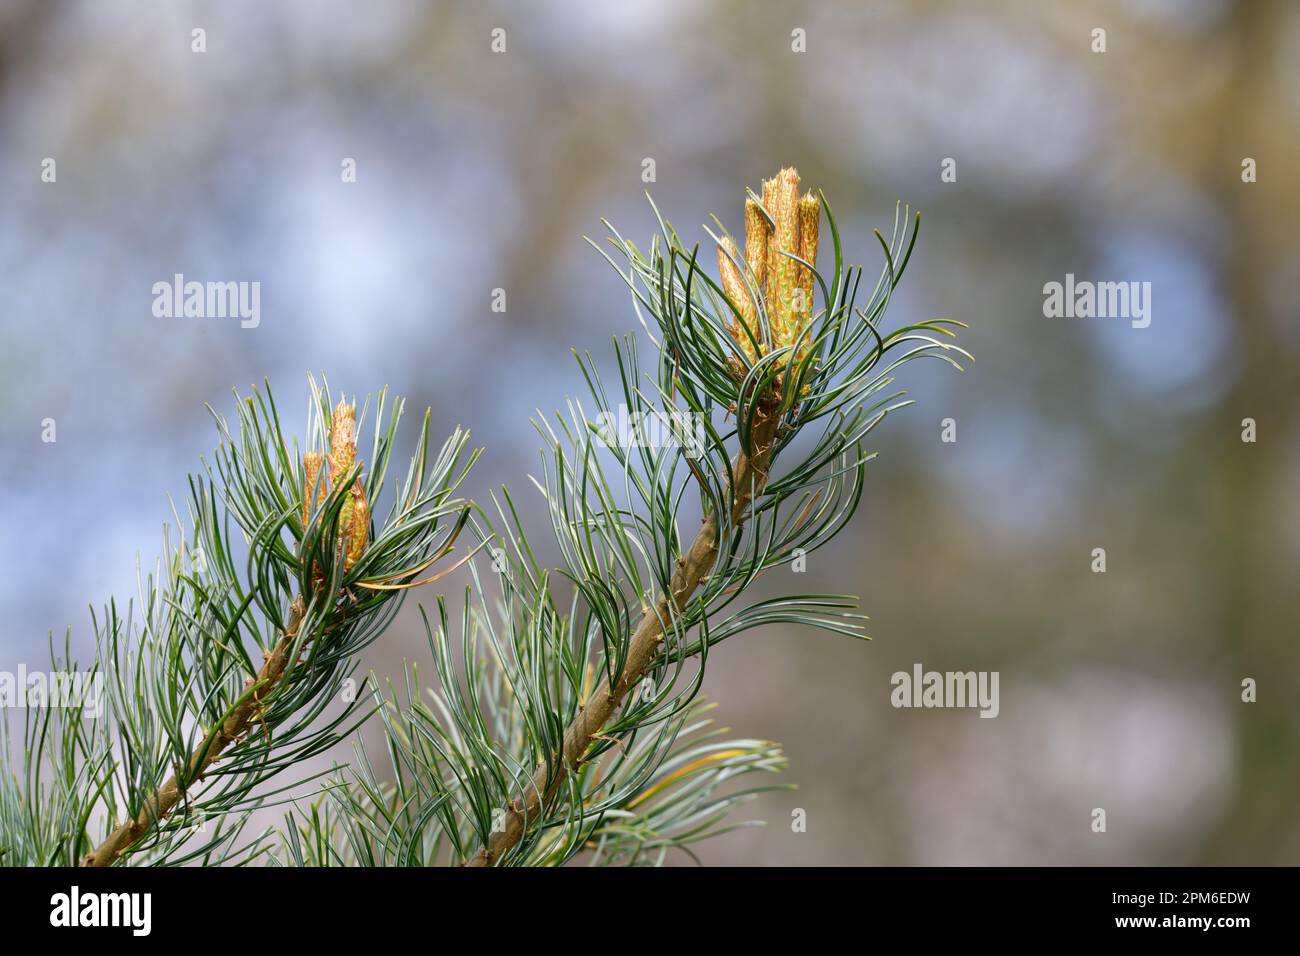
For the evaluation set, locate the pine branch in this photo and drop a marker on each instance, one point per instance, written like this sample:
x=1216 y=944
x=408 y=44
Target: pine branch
x=644 y=649
x=231 y=730
x=552 y=716
x=280 y=555
x=779 y=367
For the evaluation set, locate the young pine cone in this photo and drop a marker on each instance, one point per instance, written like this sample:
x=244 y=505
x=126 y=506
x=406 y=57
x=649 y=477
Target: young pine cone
x=783 y=224
x=354 y=516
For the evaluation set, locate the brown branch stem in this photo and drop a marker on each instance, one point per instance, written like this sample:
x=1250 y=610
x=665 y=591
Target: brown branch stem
x=749 y=480
x=161 y=804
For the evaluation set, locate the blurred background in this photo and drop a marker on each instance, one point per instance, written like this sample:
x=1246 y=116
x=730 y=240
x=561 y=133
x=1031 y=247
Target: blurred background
x=479 y=170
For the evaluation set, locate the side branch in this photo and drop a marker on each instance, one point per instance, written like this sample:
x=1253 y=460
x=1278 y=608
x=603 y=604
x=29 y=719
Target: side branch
x=159 y=806
x=750 y=478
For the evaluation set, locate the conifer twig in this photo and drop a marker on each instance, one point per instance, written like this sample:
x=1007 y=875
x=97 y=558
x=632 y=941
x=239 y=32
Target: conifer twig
x=785 y=365
x=692 y=568
x=207 y=753
x=279 y=557
x=514 y=758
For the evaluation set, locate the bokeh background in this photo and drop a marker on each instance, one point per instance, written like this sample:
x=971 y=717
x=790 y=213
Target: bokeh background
x=478 y=170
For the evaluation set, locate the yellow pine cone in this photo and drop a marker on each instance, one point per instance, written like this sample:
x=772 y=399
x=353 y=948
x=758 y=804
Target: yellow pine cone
x=810 y=216
x=354 y=516
x=359 y=529
x=781 y=197
x=311 y=463
x=343 y=440
x=757 y=234
x=733 y=284
x=786 y=285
